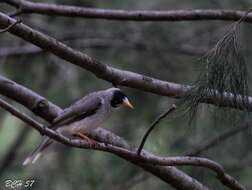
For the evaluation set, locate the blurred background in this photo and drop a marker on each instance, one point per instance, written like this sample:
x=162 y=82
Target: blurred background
x=165 y=50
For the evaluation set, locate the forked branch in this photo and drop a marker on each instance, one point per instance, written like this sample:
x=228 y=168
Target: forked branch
x=130 y=155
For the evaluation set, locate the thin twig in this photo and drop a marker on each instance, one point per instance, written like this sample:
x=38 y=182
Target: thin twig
x=152 y=126
x=10 y=26
x=216 y=140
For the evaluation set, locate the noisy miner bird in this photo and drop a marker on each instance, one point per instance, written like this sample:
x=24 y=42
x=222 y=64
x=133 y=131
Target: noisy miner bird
x=82 y=117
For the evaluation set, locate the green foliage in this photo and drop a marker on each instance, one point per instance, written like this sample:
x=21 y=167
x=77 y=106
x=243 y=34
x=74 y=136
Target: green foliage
x=224 y=74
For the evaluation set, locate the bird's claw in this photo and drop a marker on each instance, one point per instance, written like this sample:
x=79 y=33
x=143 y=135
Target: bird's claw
x=92 y=143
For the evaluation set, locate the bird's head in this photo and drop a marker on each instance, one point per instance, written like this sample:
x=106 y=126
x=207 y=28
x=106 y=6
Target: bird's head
x=118 y=98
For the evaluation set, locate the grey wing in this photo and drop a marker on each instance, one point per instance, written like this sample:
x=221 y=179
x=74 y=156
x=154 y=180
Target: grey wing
x=85 y=107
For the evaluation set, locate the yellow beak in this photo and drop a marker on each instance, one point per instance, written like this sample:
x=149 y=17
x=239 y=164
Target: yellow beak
x=127 y=103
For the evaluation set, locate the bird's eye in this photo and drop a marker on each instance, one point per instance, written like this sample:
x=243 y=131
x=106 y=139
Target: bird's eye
x=117 y=99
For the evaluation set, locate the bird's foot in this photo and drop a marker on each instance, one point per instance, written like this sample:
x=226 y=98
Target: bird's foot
x=91 y=142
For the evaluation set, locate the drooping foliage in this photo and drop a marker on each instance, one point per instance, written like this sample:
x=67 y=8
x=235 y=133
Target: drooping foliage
x=223 y=76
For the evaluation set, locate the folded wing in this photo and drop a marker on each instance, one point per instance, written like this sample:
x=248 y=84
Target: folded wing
x=81 y=109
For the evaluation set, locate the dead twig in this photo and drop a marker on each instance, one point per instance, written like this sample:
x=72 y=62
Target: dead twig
x=152 y=126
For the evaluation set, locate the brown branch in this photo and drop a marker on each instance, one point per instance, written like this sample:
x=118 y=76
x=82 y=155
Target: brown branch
x=77 y=56
x=216 y=140
x=113 y=75
x=152 y=126
x=10 y=26
x=145 y=158
x=136 y=15
x=32 y=101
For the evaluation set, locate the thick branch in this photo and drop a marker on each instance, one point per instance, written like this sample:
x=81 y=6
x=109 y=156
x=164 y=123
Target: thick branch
x=137 y=15
x=145 y=158
x=110 y=74
x=26 y=97
x=10 y=26
x=36 y=103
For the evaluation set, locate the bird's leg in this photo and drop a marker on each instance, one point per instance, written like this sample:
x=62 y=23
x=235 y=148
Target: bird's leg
x=91 y=142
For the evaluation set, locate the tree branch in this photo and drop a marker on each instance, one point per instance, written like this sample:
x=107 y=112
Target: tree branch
x=145 y=158
x=31 y=100
x=152 y=126
x=120 y=77
x=137 y=15
x=34 y=102
x=10 y=26
x=113 y=75
x=216 y=140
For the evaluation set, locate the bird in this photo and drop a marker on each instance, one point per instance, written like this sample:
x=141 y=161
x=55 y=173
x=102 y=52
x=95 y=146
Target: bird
x=82 y=117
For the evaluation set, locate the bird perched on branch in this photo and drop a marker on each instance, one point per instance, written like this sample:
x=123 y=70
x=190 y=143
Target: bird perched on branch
x=82 y=117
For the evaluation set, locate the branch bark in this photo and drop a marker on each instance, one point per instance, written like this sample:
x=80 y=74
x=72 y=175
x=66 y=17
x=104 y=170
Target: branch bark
x=116 y=76
x=31 y=100
x=130 y=155
x=147 y=161
x=111 y=74
x=10 y=26
x=27 y=7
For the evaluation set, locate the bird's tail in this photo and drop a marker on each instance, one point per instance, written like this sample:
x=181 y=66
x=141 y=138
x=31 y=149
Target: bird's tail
x=34 y=155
